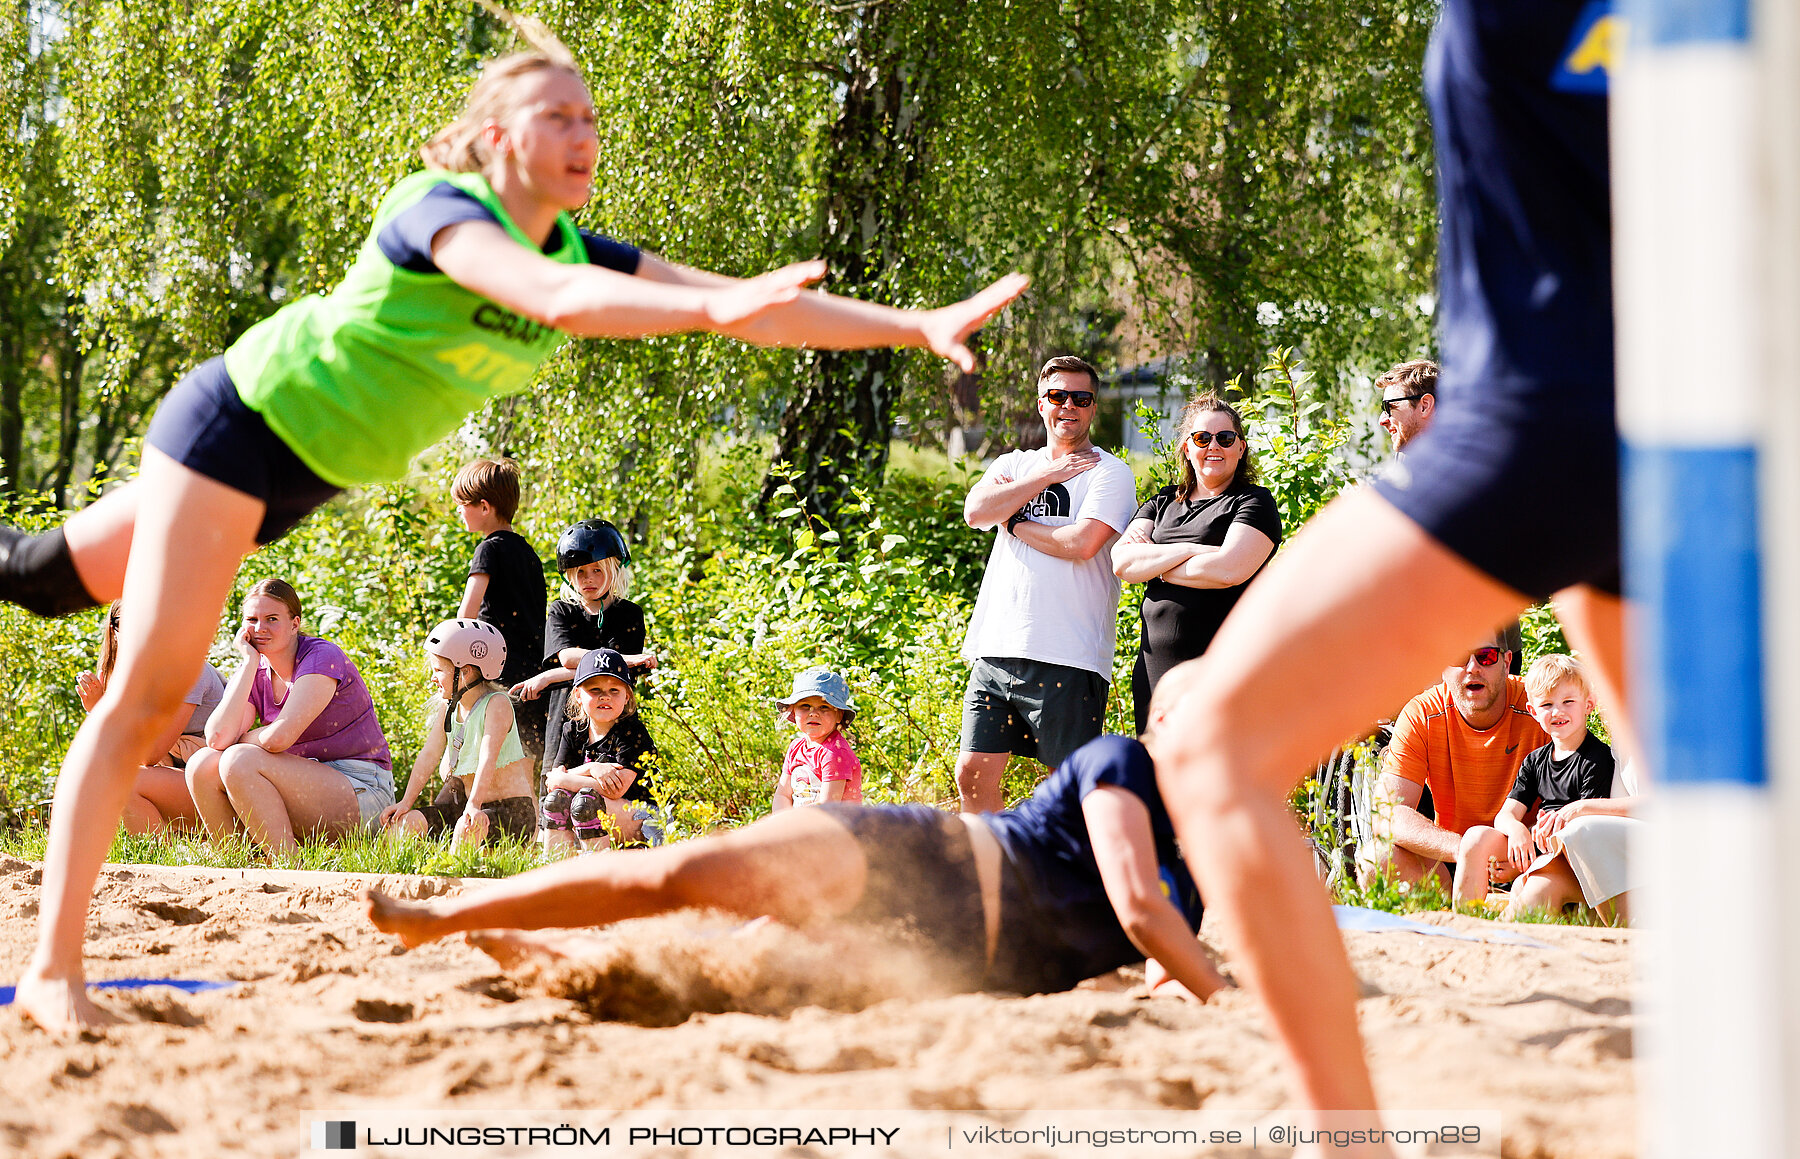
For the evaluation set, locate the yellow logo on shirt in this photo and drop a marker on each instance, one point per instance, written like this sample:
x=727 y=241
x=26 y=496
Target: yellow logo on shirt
x=1594 y=51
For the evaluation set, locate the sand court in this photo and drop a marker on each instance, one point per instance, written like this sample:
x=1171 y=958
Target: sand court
x=695 y=1011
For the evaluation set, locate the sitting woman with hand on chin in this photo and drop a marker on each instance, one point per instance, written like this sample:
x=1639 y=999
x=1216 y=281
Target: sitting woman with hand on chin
x=294 y=748
x=1197 y=544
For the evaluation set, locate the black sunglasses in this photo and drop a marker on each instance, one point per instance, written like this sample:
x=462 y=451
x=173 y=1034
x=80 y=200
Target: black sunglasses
x=1486 y=657
x=1388 y=404
x=1205 y=438
x=1076 y=398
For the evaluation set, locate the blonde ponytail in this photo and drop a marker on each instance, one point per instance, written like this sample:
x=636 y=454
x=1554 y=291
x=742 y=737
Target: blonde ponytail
x=458 y=146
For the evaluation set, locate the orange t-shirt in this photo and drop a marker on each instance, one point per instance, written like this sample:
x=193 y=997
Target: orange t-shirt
x=1469 y=772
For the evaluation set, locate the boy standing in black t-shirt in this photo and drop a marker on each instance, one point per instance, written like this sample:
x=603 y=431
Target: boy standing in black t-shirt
x=506 y=581
x=1574 y=766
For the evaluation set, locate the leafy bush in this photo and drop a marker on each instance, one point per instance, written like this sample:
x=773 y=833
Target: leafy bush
x=869 y=599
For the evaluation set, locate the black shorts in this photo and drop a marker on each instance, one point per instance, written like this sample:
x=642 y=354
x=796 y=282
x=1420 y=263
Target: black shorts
x=514 y=816
x=1518 y=474
x=203 y=425
x=1031 y=709
x=922 y=881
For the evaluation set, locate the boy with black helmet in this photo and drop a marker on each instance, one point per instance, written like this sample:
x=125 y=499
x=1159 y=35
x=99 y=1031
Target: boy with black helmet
x=595 y=563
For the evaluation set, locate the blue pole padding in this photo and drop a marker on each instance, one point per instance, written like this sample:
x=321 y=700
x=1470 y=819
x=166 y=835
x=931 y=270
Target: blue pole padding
x=1693 y=566
x=1665 y=23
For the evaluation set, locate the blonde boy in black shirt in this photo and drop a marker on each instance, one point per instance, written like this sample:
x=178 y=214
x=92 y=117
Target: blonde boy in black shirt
x=1574 y=766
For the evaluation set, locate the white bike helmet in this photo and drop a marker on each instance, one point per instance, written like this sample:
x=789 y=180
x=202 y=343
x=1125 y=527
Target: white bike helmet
x=474 y=642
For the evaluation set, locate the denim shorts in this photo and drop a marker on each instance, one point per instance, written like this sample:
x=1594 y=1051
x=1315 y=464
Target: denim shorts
x=374 y=786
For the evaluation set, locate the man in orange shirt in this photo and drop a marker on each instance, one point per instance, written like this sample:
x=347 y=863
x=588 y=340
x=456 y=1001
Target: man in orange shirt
x=1464 y=739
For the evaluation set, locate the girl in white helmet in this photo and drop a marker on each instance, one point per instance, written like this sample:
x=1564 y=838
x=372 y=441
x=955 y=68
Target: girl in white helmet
x=471 y=736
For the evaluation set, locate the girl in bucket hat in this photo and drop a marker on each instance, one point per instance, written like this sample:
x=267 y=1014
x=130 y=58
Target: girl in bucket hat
x=820 y=765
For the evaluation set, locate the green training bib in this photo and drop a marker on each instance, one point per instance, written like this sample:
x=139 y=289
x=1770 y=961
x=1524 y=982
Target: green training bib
x=360 y=380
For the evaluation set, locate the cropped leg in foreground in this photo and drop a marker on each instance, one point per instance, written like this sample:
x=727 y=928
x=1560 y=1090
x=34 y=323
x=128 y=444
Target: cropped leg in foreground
x=74 y=567
x=184 y=553
x=798 y=866
x=1299 y=666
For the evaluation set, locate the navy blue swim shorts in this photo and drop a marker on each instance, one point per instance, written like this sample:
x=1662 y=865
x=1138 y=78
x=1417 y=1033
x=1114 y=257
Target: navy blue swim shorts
x=922 y=882
x=1519 y=472
x=203 y=425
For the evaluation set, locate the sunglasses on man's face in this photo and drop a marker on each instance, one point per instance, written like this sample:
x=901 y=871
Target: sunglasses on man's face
x=1486 y=657
x=1206 y=438
x=1075 y=398
x=1388 y=404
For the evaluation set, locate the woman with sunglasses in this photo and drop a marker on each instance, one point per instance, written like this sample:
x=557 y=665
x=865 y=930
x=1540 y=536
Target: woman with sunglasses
x=1197 y=544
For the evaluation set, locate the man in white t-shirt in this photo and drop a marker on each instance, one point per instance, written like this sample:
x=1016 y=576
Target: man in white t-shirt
x=1040 y=644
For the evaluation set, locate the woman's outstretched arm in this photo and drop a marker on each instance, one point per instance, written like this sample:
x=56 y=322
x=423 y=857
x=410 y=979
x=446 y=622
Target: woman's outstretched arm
x=772 y=309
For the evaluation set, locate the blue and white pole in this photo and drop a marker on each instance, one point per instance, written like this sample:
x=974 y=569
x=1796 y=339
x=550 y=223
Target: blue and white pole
x=1691 y=271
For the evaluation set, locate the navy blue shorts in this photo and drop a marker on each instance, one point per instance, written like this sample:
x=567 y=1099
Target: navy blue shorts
x=922 y=882
x=1519 y=472
x=203 y=425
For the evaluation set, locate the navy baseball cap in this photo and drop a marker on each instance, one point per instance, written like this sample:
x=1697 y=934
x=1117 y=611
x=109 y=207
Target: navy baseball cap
x=604 y=662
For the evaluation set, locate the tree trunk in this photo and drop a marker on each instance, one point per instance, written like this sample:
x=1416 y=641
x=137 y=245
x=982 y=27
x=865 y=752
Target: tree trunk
x=834 y=433
x=70 y=364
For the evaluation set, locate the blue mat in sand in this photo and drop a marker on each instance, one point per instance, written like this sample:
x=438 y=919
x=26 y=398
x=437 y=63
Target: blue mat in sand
x=187 y=985
x=1352 y=917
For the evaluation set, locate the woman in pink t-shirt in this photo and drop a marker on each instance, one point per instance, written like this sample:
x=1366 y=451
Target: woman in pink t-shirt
x=820 y=766
x=294 y=748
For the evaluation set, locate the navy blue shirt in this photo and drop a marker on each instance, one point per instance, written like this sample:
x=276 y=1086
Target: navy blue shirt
x=1060 y=919
x=406 y=240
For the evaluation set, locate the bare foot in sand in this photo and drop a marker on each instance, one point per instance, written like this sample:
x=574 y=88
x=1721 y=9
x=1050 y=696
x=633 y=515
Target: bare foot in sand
x=515 y=948
x=60 y=1005
x=410 y=921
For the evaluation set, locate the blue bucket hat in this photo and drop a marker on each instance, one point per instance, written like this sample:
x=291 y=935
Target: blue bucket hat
x=604 y=662
x=827 y=686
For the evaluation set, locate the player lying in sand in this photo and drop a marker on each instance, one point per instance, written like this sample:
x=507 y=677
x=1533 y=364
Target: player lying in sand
x=1082 y=878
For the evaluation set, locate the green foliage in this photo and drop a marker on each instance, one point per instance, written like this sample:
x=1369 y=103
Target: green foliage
x=1299 y=445
x=1542 y=631
x=1393 y=896
x=880 y=600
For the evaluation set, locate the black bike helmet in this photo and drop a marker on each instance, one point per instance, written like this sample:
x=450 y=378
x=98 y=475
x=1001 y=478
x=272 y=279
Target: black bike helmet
x=589 y=541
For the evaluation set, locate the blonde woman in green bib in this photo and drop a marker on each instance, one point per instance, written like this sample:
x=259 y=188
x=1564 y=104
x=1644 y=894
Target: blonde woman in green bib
x=472 y=274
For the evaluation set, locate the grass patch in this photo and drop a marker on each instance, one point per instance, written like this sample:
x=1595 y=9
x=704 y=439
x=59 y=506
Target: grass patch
x=359 y=852
x=1429 y=896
